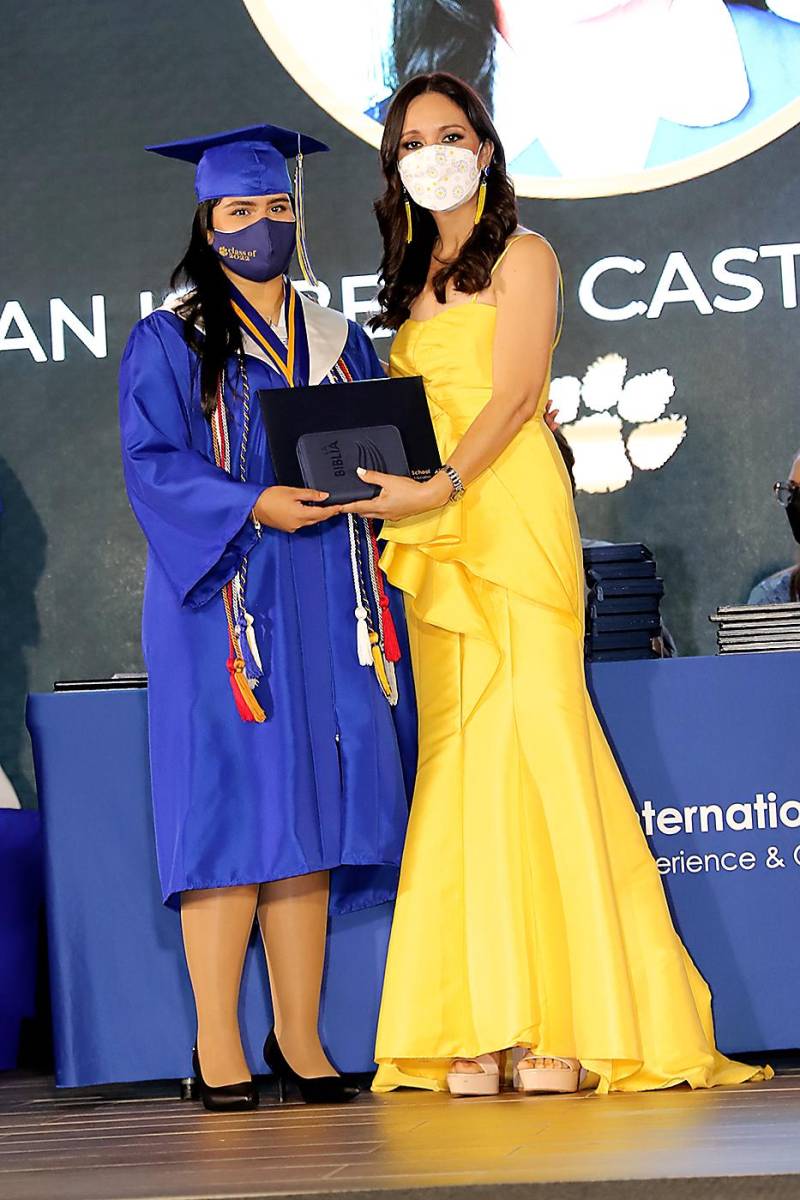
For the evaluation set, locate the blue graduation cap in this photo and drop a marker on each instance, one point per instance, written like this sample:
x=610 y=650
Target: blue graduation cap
x=241 y=162
x=249 y=162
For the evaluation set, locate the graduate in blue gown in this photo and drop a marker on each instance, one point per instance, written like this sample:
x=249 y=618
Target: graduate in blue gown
x=282 y=719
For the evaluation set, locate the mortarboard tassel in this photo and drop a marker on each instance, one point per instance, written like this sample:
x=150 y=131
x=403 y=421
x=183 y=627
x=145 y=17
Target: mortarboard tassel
x=300 y=216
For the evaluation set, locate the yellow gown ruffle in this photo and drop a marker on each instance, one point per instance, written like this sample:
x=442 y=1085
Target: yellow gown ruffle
x=530 y=910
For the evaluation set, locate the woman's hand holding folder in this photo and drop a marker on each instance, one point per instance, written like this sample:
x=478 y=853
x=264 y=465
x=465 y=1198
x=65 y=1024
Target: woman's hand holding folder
x=400 y=496
x=290 y=508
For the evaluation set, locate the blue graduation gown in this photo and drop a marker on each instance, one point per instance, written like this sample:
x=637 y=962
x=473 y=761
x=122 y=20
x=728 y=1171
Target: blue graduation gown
x=325 y=782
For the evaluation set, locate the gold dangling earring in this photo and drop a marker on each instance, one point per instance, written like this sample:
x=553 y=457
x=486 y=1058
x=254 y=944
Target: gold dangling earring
x=409 y=225
x=481 y=195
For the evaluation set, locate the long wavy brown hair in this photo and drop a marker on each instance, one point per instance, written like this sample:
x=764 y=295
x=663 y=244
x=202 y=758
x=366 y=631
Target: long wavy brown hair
x=404 y=266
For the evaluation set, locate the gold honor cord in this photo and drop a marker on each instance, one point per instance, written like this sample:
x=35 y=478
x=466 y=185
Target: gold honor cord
x=286 y=368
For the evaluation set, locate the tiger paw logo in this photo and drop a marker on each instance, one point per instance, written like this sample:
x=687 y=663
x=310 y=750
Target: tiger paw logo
x=625 y=425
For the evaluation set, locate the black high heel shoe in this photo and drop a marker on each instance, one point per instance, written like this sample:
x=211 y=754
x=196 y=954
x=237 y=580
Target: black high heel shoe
x=232 y=1097
x=324 y=1089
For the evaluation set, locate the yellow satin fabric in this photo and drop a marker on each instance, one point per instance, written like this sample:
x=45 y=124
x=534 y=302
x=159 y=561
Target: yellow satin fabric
x=530 y=910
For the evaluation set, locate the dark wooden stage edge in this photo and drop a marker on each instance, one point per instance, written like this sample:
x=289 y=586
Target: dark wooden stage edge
x=144 y=1144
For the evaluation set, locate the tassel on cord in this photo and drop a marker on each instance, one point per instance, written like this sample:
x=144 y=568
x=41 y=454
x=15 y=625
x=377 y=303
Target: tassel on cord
x=387 y=634
x=391 y=646
x=245 y=633
x=243 y=662
x=363 y=645
x=300 y=216
x=238 y=698
x=252 y=644
x=246 y=704
x=379 y=665
x=248 y=707
x=409 y=223
x=254 y=709
x=391 y=675
x=246 y=644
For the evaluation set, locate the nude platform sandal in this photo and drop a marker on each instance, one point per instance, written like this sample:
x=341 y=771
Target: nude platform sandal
x=530 y=1078
x=485 y=1082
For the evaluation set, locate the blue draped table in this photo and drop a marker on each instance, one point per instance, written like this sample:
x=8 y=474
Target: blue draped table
x=699 y=741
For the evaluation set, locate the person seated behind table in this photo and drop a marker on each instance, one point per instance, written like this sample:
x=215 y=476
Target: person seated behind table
x=663 y=645
x=784 y=586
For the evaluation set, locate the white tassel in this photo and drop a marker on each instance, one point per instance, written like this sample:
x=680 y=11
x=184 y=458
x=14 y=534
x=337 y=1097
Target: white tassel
x=391 y=675
x=362 y=637
x=250 y=634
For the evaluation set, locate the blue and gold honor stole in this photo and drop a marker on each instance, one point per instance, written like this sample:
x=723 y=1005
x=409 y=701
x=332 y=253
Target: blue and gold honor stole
x=291 y=361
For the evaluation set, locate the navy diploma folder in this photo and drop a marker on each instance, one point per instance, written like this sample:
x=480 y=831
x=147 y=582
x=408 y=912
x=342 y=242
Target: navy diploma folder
x=380 y=421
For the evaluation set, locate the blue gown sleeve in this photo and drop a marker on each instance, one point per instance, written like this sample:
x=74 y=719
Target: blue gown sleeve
x=195 y=517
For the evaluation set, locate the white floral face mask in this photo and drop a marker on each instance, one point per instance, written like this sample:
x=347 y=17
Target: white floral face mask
x=440 y=177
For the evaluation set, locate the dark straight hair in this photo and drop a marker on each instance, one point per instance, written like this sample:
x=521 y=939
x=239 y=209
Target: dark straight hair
x=210 y=325
x=404 y=266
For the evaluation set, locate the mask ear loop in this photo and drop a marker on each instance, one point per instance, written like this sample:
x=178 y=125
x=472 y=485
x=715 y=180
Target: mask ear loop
x=300 y=216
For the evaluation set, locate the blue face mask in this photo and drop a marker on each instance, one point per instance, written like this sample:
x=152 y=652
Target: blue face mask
x=258 y=252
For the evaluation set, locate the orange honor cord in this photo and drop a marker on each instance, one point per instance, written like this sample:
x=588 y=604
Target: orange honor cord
x=242 y=686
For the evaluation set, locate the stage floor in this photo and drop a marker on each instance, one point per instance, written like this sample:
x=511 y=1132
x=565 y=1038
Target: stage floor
x=126 y=1144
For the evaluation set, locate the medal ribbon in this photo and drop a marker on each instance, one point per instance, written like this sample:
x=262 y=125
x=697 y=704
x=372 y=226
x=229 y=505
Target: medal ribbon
x=292 y=360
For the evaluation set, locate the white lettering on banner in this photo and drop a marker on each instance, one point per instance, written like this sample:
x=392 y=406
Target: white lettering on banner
x=787 y=254
x=321 y=293
x=590 y=304
x=26 y=339
x=693 y=864
x=353 y=308
x=677 y=267
x=763 y=812
x=753 y=287
x=678 y=283
x=94 y=339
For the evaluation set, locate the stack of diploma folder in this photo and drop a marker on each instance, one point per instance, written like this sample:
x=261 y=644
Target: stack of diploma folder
x=745 y=628
x=623 y=606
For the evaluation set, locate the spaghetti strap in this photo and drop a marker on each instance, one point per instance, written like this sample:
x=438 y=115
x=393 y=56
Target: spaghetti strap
x=560 y=302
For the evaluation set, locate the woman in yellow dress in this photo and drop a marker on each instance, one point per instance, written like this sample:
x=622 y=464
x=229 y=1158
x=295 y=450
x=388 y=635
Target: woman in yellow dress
x=530 y=913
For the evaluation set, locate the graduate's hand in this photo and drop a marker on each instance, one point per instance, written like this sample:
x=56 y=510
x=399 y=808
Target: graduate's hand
x=400 y=496
x=290 y=509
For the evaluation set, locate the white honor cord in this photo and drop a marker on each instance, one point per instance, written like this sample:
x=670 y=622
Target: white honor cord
x=363 y=644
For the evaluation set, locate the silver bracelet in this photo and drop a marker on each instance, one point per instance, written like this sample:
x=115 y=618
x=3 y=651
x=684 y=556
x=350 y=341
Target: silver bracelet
x=456 y=483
